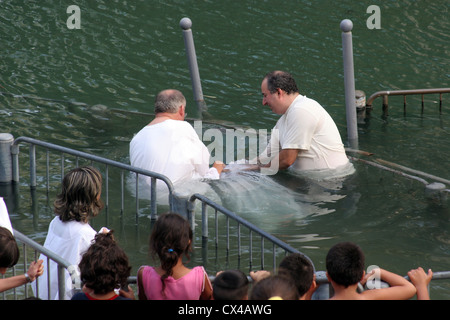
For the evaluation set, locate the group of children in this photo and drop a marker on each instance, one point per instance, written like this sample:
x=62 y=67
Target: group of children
x=296 y=280
x=104 y=267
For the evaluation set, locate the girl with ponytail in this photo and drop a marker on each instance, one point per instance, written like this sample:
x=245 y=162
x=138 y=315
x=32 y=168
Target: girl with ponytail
x=170 y=241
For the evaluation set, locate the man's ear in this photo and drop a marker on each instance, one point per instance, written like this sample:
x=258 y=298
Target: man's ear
x=181 y=111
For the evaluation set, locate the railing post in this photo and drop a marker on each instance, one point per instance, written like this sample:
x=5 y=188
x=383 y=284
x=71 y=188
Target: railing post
x=6 y=172
x=349 y=80
x=32 y=166
x=61 y=282
x=186 y=25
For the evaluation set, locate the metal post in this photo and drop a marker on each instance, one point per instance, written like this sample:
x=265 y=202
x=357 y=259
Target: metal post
x=33 y=166
x=6 y=141
x=349 y=80
x=186 y=25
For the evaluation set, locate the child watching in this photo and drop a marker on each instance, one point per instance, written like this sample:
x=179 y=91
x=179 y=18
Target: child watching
x=171 y=240
x=345 y=268
x=230 y=285
x=69 y=233
x=104 y=269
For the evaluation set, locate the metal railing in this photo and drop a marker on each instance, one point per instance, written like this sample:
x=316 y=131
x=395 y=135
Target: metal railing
x=184 y=206
x=237 y=233
x=232 y=233
x=404 y=93
x=107 y=162
x=63 y=266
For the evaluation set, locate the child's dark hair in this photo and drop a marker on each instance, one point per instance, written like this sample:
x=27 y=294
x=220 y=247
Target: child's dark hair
x=230 y=285
x=170 y=239
x=345 y=263
x=274 y=286
x=79 y=199
x=9 y=250
x=300 y=269
x=105 y=266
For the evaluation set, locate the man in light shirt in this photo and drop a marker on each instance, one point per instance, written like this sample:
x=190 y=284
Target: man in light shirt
x=170 y=146
x=307 y=137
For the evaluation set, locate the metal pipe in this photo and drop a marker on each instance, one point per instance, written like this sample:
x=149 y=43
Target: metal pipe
x=32 y=166
x=405 y=92
x=186 y=25
x=349 y=80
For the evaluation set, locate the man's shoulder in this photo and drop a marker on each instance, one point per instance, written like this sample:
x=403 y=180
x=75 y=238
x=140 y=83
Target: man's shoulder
x=305 y=102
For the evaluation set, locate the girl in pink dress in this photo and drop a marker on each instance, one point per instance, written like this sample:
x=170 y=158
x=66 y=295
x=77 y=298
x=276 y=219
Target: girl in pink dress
x=171 y=240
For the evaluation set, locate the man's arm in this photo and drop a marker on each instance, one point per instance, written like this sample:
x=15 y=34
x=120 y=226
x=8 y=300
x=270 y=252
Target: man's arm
x=287 y=157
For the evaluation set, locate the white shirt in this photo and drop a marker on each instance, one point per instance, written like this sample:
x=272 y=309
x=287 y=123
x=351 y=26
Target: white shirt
x=171 y=148
x=70 y=240
x=5 y=222
x=307 y=126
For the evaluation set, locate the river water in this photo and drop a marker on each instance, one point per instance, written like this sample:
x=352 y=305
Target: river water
x=88 y=89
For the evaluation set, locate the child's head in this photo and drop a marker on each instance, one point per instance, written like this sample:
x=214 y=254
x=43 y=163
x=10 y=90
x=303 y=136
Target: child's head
x=230 y=285
x=345 y=263
x=170 y=239
x=105 y=266
x=79 y=199
x=300 y=269
x=9 y=251
x=275 y=286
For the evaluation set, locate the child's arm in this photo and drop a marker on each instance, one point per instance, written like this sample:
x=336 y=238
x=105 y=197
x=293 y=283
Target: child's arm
x=399 y=288
x=35 y=270
x=421 y=280
x=12 y=282
x=259 y=275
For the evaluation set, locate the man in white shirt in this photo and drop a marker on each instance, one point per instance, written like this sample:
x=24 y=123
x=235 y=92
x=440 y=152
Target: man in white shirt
x=170 y=146
x=306 y=133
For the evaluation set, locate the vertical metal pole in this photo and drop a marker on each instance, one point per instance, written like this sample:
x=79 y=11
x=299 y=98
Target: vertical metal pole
x=186 y=25
x=153 y=201
x=6 y=170
x=32 y=166
x=61 y=282
x=349 y=80
x=205 y=233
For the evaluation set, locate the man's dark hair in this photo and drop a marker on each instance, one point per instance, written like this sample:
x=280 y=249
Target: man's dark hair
x=281 y=80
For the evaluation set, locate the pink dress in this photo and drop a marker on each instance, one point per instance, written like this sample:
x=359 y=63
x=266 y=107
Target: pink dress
x=188 y=287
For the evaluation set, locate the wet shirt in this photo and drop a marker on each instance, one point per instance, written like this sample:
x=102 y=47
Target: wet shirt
x=307 y=126
x=171 y=148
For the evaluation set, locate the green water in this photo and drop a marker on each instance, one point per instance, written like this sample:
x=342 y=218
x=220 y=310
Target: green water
x=127 y=51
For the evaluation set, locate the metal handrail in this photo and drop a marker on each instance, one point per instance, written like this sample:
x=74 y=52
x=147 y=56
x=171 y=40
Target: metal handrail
x=404 y=93
x=240 y=221
x=153 y=175
x=206 y=202
x=62 y=263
